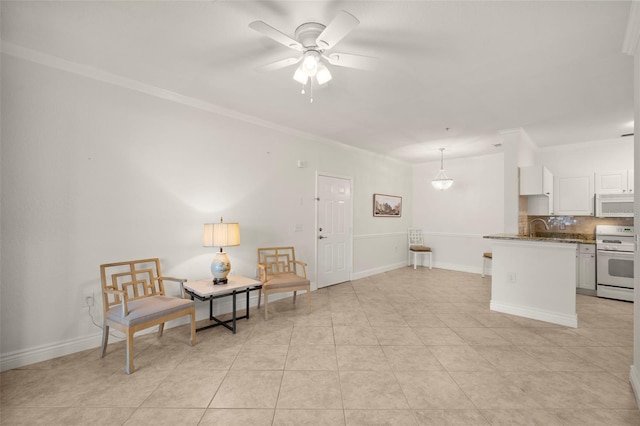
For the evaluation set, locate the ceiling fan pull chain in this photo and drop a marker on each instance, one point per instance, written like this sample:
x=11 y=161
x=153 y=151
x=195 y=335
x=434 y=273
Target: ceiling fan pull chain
x=310 y=91
x=302 y=91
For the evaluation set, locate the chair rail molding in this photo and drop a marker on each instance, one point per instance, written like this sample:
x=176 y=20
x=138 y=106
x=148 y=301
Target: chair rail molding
x=381 y=235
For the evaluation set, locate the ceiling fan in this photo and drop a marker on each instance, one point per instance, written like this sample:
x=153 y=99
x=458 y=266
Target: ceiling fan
x=313 y=41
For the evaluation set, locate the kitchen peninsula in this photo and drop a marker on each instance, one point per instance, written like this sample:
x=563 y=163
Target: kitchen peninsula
x=535 y=277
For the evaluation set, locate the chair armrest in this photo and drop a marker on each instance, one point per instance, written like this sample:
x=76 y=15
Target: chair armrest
x=303 y=265
x=181 y=281
x=122 y=295
x=262 y=272
x=178 y=280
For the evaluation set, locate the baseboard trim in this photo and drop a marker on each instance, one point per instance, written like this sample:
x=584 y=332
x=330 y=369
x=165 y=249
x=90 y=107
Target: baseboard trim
x=537 y=314
x=375 y=271
x=46 y=352
x=37 y=354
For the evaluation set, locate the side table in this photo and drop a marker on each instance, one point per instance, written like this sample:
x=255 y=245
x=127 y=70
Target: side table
x=205 y=290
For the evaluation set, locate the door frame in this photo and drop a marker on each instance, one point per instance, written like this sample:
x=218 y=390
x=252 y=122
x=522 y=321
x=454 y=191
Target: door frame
x=350 y=222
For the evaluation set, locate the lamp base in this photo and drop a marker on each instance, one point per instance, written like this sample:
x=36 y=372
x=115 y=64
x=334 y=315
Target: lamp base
x=220 y=267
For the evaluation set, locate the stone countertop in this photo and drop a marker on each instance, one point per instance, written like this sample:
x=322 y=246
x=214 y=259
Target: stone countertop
x=549 y=237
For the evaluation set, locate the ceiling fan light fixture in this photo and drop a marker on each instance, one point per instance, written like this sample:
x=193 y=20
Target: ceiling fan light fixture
x=300 y=76
x=323 y=75
x=310 y=63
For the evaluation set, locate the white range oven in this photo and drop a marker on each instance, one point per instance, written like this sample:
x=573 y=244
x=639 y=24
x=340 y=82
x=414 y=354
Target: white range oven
x=614 y=261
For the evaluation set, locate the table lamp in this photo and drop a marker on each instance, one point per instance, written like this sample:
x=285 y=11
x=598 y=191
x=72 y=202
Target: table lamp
x=220 y=235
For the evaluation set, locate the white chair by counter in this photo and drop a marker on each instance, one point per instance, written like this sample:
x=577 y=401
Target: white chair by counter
x=417 y=247
x=486 y=259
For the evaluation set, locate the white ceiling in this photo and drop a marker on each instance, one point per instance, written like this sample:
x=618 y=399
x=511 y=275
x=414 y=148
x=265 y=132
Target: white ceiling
x=555 y=69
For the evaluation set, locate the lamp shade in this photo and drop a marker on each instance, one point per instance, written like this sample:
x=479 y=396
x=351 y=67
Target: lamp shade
x=221 y=234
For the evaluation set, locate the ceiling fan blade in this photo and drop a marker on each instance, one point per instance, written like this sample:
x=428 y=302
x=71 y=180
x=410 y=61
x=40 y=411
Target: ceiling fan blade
x=341 y=25
x=274 y=34
x=279 y=64
x=351 y=61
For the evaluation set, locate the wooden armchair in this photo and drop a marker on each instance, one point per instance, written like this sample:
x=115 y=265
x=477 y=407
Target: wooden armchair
x=133 y=299
x=280 y=272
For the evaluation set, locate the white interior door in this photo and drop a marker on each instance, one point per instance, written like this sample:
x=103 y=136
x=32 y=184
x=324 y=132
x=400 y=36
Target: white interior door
x=334 y=230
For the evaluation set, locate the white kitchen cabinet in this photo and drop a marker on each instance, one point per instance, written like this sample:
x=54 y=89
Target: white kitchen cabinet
x=573 y=196
x=614 y=182
x=536 y=180
x=586 y=268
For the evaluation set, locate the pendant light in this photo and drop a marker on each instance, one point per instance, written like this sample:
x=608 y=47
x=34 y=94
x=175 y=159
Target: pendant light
x=442 y=182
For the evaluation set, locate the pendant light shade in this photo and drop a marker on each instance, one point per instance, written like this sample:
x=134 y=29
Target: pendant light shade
x=442 y=182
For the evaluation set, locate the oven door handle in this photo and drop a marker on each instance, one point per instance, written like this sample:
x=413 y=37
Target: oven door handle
x=614 y=253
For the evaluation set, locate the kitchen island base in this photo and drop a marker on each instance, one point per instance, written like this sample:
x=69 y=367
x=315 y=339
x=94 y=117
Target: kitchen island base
x=535 y=279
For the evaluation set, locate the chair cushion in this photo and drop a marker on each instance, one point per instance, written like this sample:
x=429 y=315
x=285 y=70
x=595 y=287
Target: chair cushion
x=419 y=248
x=148 y=309
x=287 y=279
x=488 y=255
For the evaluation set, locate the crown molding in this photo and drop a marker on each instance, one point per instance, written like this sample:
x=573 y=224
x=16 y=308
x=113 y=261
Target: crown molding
x=632 y=35
x=97 y=74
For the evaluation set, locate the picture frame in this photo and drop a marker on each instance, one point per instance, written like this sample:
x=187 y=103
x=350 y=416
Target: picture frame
x=387 y=205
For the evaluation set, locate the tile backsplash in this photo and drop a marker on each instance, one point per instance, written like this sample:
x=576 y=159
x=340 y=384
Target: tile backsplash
x=582 y=225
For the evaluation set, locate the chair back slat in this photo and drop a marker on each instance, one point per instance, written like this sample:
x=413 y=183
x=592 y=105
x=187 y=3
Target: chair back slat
x=137 y=278
x=277 y=260
x=415 y=237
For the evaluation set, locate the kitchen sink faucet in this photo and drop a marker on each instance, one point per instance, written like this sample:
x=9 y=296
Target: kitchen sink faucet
x=546 y=226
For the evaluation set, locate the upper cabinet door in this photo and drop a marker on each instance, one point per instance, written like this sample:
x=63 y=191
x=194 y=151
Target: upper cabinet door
x=536 y=180
x=614 y=182
x=573 y=195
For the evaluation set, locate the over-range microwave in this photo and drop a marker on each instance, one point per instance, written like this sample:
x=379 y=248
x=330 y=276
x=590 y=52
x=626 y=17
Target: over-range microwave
x=614 y=205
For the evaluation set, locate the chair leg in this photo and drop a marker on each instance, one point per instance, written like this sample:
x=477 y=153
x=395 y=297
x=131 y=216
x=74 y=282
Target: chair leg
x=266 y=306
x=430 y=260
x=129 y=367
x=294 y=297
x=485 y=263
x=415 y=259
x=309 y=300
x=193 y=327
x=160 y=329
x=105 y=340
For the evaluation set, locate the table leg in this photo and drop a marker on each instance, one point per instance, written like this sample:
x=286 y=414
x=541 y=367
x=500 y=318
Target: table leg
x=247 y=293
x=234 y=312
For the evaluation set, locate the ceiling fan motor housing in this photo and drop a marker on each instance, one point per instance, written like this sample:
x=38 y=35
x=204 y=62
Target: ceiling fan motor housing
x=307 y=35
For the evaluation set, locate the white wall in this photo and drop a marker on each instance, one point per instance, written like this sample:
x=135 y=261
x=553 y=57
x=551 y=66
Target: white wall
x=454 y=221
x=94 y=172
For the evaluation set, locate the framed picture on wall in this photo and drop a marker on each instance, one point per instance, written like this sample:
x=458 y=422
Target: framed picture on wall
x=387 y=205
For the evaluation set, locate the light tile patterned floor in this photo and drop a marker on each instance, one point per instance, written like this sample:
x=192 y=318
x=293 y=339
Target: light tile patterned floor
x=408 y=347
